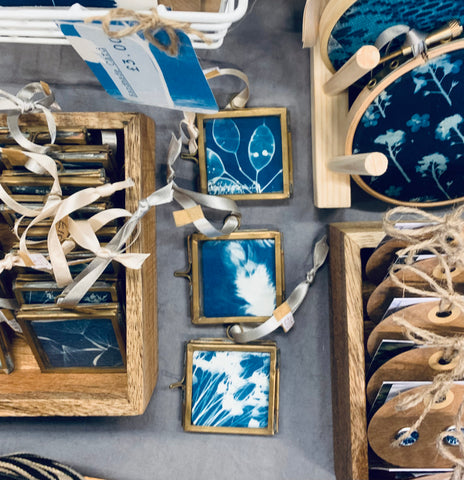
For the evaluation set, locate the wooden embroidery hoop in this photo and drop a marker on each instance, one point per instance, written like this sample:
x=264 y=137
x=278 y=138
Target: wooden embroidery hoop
x=365 y=99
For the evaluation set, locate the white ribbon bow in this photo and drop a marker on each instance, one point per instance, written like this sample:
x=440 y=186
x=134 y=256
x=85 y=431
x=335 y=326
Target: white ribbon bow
x=35 y=97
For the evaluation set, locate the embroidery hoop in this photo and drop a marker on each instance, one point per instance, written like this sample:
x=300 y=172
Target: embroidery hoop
x=364 y=100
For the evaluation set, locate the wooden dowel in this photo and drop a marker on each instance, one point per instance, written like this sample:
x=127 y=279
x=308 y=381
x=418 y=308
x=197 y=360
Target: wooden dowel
x=362 y=62
x=311 y=16
x=373 y=163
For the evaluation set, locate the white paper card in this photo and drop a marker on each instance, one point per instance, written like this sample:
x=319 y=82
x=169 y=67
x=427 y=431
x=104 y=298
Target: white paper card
x=133 y=70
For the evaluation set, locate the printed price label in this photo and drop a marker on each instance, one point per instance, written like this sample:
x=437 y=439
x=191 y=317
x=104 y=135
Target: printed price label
x=133 y=70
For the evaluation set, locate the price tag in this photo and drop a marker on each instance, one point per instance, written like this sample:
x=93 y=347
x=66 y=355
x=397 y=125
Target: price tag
x=133 y=70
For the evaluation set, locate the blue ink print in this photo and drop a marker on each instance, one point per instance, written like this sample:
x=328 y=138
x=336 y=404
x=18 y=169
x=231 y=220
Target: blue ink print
x=432 y=75
x=244 y=155
x=376 y=110
x=448 y=129
x=230 y=389
x=79 y=343
x=238 y=277
x=393 y=191
x=436 y=165
x=416 y=122
x=393 y=140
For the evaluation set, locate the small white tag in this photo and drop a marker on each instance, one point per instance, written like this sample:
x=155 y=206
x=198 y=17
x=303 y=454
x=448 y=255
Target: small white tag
x=132 y=69
x=40 y=262
x=287 y=322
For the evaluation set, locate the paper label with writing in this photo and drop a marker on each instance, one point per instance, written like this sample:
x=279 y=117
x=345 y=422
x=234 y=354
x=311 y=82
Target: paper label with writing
x=133 y=70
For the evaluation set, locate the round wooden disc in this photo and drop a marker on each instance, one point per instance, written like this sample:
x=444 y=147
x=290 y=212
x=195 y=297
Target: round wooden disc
x=417 y=365
x=414 y=116
x=386 y=291
x=388 y=421
x=424 y=315
x=383 y=256
x=347 y=25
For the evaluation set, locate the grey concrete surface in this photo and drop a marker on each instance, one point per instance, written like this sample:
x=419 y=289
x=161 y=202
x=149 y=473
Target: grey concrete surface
x=267 y=46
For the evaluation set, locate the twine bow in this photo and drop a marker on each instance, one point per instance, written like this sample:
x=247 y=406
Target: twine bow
x=442 y=233
x=35 y=97
x=148 y=24
x=453 y=349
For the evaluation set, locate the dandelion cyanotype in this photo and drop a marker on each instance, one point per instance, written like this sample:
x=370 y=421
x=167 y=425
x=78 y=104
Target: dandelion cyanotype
x=80 y=343
x=431 y=77
x=230 y=389
x=434 y=165
x=244 y=155
x=238 y=277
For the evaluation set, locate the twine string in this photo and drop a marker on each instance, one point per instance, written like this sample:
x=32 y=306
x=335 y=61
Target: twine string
x=149 y=24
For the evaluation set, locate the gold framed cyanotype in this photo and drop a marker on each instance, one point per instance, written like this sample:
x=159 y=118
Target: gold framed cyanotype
x=231 y=388
x=245 y=154
x=6 y=361
x=235 y=278
x=86 y=339
x=42 y=292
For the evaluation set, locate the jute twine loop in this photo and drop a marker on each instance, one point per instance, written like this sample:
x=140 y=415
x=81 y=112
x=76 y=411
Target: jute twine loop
x=442 y=233
x=453 y=349
x=443 y=237
x=148 y=24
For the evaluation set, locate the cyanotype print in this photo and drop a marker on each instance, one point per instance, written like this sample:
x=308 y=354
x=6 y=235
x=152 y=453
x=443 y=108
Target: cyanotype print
x=230 y=389
x=365 y=20
x=417 y=122
x=238 y=277
x=244 y=155
x=43 y=297
x=79 y=343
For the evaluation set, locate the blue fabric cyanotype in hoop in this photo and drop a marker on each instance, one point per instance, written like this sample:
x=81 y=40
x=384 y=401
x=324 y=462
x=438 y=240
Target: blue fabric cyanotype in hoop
x=415 y=117
x=360 y=22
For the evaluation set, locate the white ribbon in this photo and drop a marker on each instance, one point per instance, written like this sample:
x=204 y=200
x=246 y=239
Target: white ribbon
x=414 y=38
x=33 y=98
x=243 y=334
x=74 y=292
x=9 y=304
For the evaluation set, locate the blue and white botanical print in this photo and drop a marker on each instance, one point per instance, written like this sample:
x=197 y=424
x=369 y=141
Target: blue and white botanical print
x=417 y=122
x=49 y=296
x=79 y=343
x=244 y=155
x=365 y=20
x=230 y=389
x=238 y=277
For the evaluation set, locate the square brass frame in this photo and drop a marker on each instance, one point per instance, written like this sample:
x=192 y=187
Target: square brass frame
x=30 y=313
x=194 y=265
x=219 y=344
x=6 y=362
x=287 y=164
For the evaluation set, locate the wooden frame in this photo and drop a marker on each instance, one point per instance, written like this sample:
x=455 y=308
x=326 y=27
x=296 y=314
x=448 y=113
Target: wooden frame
x=286 y=152
x=328 y=127
x=347 y=342
x=222 y=345
x=198 y=315
x=31 y=319
x=27 y=392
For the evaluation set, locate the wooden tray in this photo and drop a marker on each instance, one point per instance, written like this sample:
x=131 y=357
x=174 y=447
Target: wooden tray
x=27 y=391
x=347 y=242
